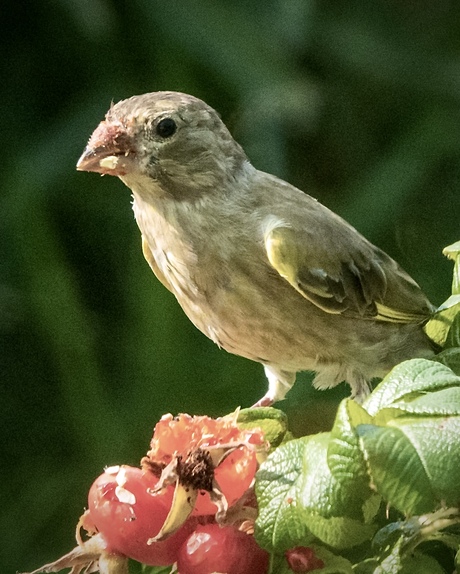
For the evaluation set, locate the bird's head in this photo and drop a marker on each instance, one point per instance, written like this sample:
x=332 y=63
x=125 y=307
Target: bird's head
x=169 y=138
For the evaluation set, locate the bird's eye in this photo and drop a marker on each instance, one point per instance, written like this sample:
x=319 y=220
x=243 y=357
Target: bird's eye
x=166 y=127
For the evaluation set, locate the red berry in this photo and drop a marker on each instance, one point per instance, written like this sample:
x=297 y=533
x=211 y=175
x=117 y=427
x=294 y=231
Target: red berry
x=234 y=476
x=123 y=508
x=303 y=559
x=212 y=548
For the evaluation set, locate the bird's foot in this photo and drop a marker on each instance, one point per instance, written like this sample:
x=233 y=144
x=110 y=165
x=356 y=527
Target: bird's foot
x=265 y=401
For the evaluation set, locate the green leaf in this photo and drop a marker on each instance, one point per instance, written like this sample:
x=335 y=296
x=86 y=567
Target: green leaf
x=404 y=446
x=299 y=497
x=346 y=461
x=344 y=455
x=279 y=565
x=272 y=421
x=320 y=492
x=340 y=531
x=415 y=564
x=453 y=252
x=438 y=326
x=437 y=443
x=279 y=525
x=396 y=470
x=450 y=358
x=428 y=449
x=453 y=336
x=371 y=507
x=445 y=402
x=367 y=566
x=414 y=377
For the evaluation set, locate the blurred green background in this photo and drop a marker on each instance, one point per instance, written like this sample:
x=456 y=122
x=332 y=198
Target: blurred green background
x=356 y=102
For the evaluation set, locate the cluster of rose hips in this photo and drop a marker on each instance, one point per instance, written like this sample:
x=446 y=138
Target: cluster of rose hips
x=190 y=504
x=197 y=468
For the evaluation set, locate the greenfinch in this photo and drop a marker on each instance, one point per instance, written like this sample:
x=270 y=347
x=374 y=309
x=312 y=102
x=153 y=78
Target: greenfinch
x=260 y=267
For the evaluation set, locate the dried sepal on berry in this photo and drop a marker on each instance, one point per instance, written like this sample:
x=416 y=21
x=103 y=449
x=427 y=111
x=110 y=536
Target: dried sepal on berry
x=88 y=557
x=182 y=507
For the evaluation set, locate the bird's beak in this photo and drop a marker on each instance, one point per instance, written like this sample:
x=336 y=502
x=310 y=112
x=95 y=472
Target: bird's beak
x=109 y=151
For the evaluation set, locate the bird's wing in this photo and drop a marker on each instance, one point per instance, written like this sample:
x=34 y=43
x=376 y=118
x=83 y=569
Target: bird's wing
x=153 y=264
x=340 y=272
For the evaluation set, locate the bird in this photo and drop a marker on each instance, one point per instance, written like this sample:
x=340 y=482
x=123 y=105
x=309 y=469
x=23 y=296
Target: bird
x=260 y=267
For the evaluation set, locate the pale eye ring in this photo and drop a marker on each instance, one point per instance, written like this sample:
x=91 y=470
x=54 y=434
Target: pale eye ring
x=166 y=127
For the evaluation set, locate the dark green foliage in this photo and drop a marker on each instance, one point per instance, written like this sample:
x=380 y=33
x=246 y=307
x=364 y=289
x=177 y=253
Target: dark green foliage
x=355 y=102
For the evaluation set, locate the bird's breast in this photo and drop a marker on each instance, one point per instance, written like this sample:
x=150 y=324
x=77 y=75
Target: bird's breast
x=230 y=292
